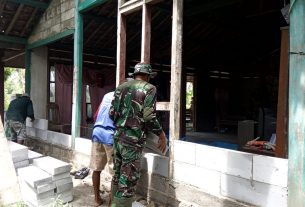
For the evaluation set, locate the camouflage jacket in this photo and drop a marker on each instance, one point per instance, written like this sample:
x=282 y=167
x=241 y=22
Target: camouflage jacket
x=133 y=111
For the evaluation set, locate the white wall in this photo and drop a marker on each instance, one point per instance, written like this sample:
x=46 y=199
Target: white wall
x=39 y=81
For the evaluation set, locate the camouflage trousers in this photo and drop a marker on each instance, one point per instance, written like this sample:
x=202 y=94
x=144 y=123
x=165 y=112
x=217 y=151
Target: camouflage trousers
x=127 y=160
x=15 y=130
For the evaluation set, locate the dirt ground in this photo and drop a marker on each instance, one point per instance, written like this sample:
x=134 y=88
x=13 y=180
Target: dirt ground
x=83 y=196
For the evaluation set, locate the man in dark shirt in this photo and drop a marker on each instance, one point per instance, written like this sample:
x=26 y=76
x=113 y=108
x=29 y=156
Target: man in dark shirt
x=133 y=111
x=18 y=110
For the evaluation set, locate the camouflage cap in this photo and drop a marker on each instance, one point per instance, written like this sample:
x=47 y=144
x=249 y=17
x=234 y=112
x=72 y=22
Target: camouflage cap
x=143 y=68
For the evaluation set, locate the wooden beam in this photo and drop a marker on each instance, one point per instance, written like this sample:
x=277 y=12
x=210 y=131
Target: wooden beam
x=12 y=39
x=121 y=47
x=146 y=33
x=2 y=91
x=32 y=3
x=16 y=15
x=176 y=77
x=163 y=106
x=28 y=56
x=50 y=39
x=2 y=4
x=282 y=112
x=296 y=132
x=29 y=22
x=131 y=6
x=89 y=4
x=13 y=57
x=77 y=75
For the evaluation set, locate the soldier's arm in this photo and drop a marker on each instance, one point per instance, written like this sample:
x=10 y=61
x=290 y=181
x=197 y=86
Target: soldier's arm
x=149 y=112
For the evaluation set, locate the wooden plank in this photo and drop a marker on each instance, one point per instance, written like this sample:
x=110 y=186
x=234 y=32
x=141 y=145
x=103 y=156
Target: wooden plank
x=29 y=21
x=77 y=76
x=121 y=49
x=89 y=4
x=37 y=4
x=2 y=91
x=131 y=6
x=282 y=112
x=176 y=77
x=16 y=15
x=163 y=106
x=146 y=33
x=296 y=130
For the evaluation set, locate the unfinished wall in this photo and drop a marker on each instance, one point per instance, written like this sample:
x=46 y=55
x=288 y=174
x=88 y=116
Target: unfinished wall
x=39 y=81
x=58 y=17
x=200 y=172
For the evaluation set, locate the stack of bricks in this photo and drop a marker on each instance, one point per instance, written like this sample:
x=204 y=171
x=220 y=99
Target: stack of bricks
x=60 y=174
x=19 y=155
x=36 y=186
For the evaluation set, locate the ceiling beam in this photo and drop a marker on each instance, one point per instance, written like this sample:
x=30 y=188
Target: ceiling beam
x=16 y=15
x=11 y=39
x=29 y=21
x=32 y=3
x=89 y=4
x=202 y=8
x=11 y=46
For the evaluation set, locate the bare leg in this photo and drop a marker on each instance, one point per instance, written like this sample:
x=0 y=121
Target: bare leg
x=96 y=187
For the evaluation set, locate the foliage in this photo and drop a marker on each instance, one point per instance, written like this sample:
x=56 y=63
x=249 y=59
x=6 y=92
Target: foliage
x=14 y=83
x=189 y=94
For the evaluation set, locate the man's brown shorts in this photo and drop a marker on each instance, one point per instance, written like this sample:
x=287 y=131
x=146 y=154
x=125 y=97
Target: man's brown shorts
x=101 y=155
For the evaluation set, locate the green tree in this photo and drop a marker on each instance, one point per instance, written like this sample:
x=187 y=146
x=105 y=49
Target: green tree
x=14 y=83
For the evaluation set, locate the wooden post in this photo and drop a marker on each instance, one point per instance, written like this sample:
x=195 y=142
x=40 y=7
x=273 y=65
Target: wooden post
x=77 y=75
x=2 y=91
x=282 y=109
x=121 y=46
x=28 y=56
x=176 y=77
x=296 y=130
x=146 y=33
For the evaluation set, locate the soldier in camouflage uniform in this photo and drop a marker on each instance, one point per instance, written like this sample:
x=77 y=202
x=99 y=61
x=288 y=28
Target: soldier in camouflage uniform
x=134 y=113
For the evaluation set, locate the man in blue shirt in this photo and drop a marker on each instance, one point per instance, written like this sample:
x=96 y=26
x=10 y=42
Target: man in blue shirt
x=102 y=140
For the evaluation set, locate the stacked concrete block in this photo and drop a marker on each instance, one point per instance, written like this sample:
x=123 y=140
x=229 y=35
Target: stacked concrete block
x=37 y=128
x=33 y=155
x=60 y=175
x=19 y=155
x=36 y=185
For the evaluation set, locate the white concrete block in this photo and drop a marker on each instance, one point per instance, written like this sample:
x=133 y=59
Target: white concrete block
x=21 y=164
x=257 y=193
x=34 y=176
x=42 y=134
x=185 y=152
x=45 y=187
x=238 y=164
x=59 y=138
x=212 y=158
x=83 y=145
x=206 y=180
x=37 y=123
x=270 y=170
x=154 y=163
x=65 y=197
x=33 y=155
x=63 y=181
x=61 y=176
x=65 y=187
x=31 y=132
x=31 y=194
x=19 y=152
x=52 y=165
